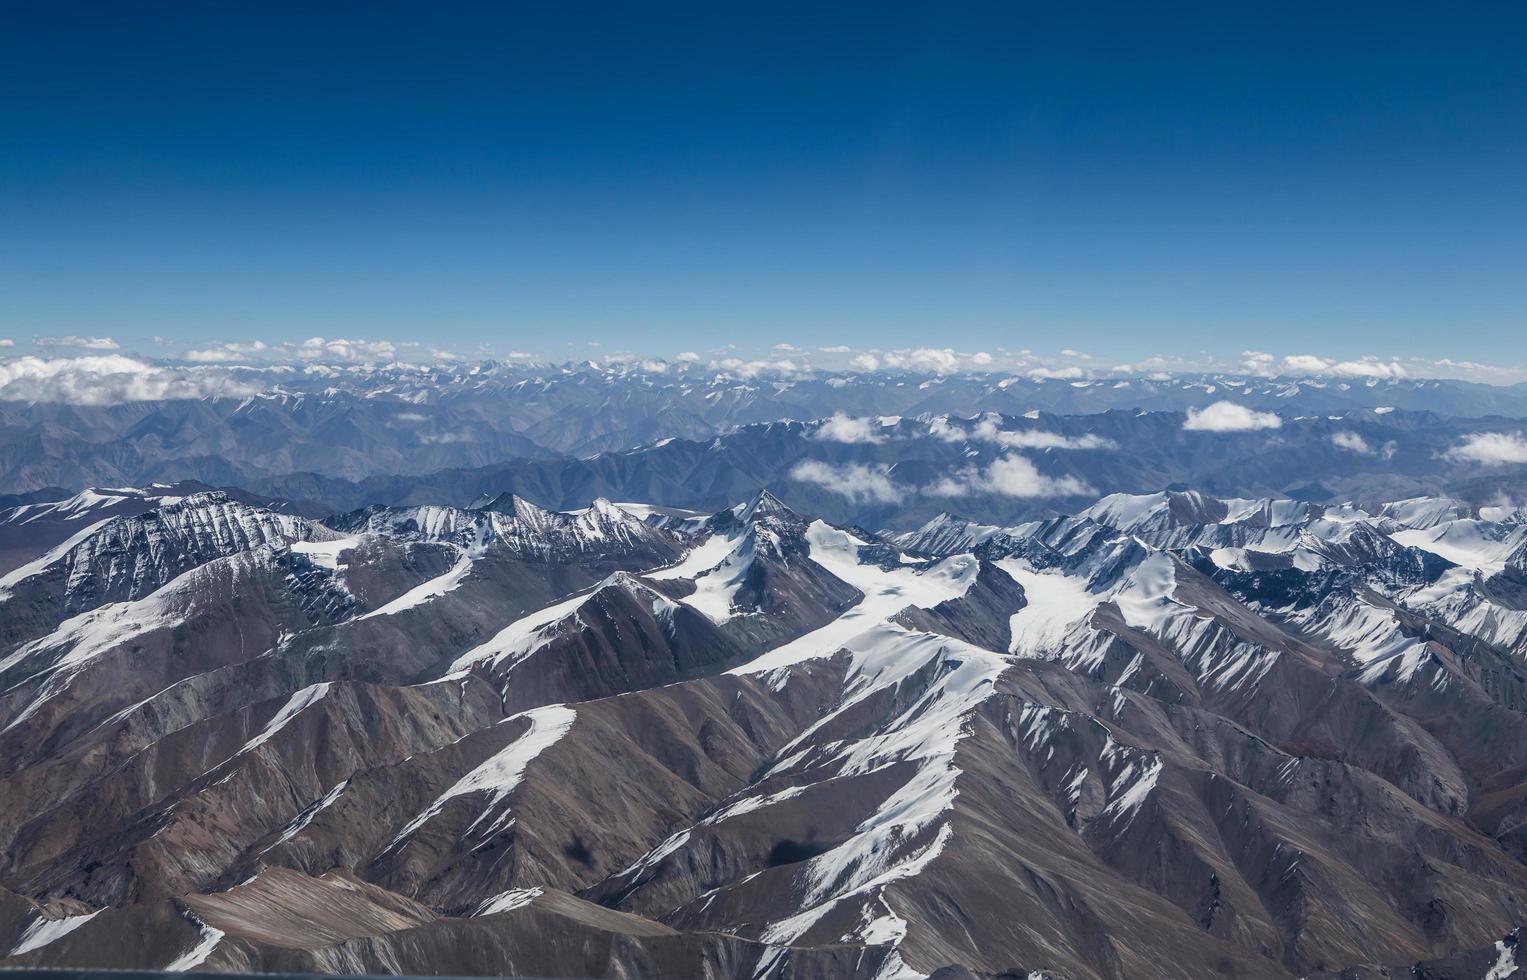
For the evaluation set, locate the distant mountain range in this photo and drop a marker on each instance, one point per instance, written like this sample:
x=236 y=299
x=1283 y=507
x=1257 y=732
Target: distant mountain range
x=1170 y=736
x=357 y=424
x=890 y=471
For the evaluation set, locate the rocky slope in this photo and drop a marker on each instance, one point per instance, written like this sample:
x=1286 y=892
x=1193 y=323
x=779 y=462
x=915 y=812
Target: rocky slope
x=1171 y=735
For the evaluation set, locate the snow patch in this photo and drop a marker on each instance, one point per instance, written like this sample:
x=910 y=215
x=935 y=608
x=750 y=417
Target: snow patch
x=504 y=770
x=41 y=932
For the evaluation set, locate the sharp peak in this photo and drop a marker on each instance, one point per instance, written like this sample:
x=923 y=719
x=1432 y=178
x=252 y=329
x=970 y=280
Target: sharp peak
x=763 y=504
x=511 y=504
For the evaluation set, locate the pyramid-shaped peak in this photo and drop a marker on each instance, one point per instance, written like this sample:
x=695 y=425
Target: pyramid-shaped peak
x=764 y=505
x=513 y=505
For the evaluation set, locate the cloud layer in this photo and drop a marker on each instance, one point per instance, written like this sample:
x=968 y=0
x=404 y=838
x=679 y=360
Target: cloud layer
x=109 y=379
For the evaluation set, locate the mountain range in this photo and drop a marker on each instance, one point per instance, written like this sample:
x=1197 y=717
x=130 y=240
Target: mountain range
x=342 y=435
x=1166 y=734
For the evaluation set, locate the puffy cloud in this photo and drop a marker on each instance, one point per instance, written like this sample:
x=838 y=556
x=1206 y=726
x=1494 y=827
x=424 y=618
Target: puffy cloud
x=786 y=347
x=226 y=352
x=1350 y=441
x=107 y=379
x=211 y=355
x=1491 y=448
x=856 y=481
x=933 y=360
x=839 y=349
x=752 y=369
x=339 y=349
x=1056 y=374
x=626 y=359
x=1365 y=367
x=686 y=357
x=71 y=340
x=865 y=362
x=1010 y=476
x=1257 y=362
x=1306 y=364
x=1229 y=417
x=930 y=359
x=1368 y=368
x=7 y=342
x=846 y=428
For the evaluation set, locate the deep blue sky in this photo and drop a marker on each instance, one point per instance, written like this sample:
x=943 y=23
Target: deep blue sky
x=1344 y=179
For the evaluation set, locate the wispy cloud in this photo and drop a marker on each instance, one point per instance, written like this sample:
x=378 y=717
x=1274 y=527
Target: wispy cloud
x=1491 y=448
x=72 y=340
x=1013 y=475
x=987 y=430
x=855 y=481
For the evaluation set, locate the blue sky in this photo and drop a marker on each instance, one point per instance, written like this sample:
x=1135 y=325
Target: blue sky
x=1192 y=179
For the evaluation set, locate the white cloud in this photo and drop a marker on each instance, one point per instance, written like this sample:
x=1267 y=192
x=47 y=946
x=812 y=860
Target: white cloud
x=930 y=359
x=71 y=340
x=1350 y=441
x=686 y=357
x=846 y=428
x=840 y=349
x=786 y=347
x=211 y=355
x=7 y=342
x=1363 y=367
x=752 y=369
x=986 y=431
x=1491 y=448
x=1056 y=374
x=1257 y=362
x=1010 y=476
x=866 y=362
x=1368 y=368
x=857 y=482
x=108 y=379
x=1229 y=417
x=338 y=349
x=1306 y=364
x=1475 y=371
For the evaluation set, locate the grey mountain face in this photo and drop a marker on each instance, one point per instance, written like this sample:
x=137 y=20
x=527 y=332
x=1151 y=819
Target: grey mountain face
x=1170 y=735
x=343 y=426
